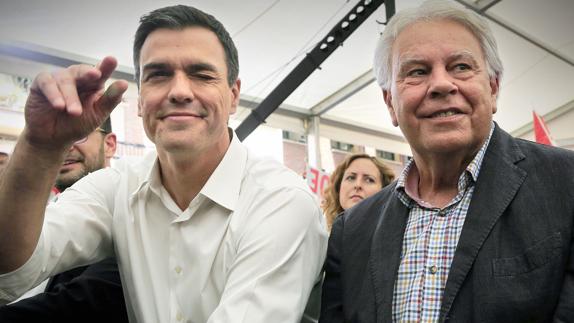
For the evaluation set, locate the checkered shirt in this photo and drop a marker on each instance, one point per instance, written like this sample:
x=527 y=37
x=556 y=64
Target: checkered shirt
x=429 y=243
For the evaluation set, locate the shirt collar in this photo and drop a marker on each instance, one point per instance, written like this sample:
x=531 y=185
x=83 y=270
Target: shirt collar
x=224 y=184
x=147 y=174
x=473 y=169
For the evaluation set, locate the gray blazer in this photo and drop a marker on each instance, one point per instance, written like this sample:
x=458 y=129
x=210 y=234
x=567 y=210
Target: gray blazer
x=514 y=261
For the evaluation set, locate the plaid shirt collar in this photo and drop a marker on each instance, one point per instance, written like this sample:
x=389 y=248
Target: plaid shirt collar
x=466 y=178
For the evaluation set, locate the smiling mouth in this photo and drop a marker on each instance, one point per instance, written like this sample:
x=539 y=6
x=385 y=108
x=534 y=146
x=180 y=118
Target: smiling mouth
x=444 y=114
x=70 y=161
x=181 y=116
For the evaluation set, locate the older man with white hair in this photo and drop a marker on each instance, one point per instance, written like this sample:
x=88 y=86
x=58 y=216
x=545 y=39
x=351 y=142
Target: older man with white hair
x=479 y=225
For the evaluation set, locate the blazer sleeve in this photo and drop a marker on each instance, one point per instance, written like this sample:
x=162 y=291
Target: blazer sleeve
x=332 y=297
x=94 y=296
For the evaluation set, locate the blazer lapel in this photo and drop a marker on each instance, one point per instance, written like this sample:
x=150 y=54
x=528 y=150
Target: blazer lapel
x=386 y=253
x=498 y=183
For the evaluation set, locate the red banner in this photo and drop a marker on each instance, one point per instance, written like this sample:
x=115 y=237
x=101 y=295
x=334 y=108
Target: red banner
x=317 y=180
x=541 y=133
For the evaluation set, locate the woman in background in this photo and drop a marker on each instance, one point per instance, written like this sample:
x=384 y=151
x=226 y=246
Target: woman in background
x=356 y=178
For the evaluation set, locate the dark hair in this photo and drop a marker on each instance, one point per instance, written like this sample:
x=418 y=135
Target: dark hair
x=107 y=125
x=180 y=17
x=331 y=206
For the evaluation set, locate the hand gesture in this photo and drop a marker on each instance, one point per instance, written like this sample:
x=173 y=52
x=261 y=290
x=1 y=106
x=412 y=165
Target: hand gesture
x=67 y=105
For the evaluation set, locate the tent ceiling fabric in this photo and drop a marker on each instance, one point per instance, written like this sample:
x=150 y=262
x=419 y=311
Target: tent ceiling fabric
x=272 y=36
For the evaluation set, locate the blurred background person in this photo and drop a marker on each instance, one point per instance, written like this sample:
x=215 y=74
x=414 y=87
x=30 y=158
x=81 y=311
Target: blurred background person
x=87 y=155
x=356 y=178
x=88 y=293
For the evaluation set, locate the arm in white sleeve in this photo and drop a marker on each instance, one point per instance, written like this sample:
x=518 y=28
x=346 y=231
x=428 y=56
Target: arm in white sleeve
x=279 y=258
x=76 y=231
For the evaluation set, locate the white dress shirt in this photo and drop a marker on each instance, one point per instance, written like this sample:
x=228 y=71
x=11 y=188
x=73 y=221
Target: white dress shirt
x=247 y=249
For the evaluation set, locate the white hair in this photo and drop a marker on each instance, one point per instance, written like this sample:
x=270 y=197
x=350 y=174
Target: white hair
x=434 y=10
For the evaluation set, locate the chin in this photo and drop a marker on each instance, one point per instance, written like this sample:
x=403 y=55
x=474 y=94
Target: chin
x=174 y=146
x=450 y=147
x=68 y=180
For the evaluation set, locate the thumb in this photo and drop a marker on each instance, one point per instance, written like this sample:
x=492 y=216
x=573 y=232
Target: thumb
x=112 y=96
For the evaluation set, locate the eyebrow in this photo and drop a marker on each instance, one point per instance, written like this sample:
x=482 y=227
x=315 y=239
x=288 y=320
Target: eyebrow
x=155 y=66
x=355 y=173
x=191 y=68
x=413 y=60
x=407 y=60
x=200 y=67
x=463 y=54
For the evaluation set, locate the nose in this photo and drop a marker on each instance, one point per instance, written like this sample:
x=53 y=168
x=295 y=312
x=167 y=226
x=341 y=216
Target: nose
x=441 y=84
x=180 y=91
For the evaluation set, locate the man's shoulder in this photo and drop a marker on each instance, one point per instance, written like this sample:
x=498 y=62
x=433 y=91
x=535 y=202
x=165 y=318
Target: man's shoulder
x=520 y=149
x=134 y=170
x=544 y=150
x=135 y=164
x=540 y=164
x=374 y=201
x=269 y=187
x=367 y=213
x=546 y=157
x=269 y=175
x=273 y=195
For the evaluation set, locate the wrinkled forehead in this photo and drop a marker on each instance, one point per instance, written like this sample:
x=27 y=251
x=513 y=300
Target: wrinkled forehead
x=443 y=37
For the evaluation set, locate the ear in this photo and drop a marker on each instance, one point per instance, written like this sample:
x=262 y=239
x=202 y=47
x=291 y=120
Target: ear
x=235 y=91
x=110 y=145
x=494 y=90
x=389 y=102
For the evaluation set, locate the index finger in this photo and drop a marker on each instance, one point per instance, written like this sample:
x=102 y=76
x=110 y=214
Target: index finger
x=107 y=66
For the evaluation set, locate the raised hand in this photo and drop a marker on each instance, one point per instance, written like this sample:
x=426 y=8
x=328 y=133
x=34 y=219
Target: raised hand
x=69 y=104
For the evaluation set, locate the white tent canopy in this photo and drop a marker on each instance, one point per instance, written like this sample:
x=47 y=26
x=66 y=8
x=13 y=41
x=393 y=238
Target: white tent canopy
x=273 y=36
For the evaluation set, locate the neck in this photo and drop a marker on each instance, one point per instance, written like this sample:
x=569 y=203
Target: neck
x=184 y=174
x=438 y=176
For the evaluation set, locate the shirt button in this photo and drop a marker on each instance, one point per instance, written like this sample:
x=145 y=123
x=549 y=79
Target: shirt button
x=433 y=269
x=442 y=213
x=179 y=317
x=177 y=269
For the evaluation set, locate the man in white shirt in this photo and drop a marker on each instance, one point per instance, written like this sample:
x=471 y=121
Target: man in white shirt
x=203 y=232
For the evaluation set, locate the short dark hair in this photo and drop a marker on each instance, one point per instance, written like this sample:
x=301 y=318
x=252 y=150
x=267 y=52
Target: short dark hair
x=180 y=17
x=107 y=125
